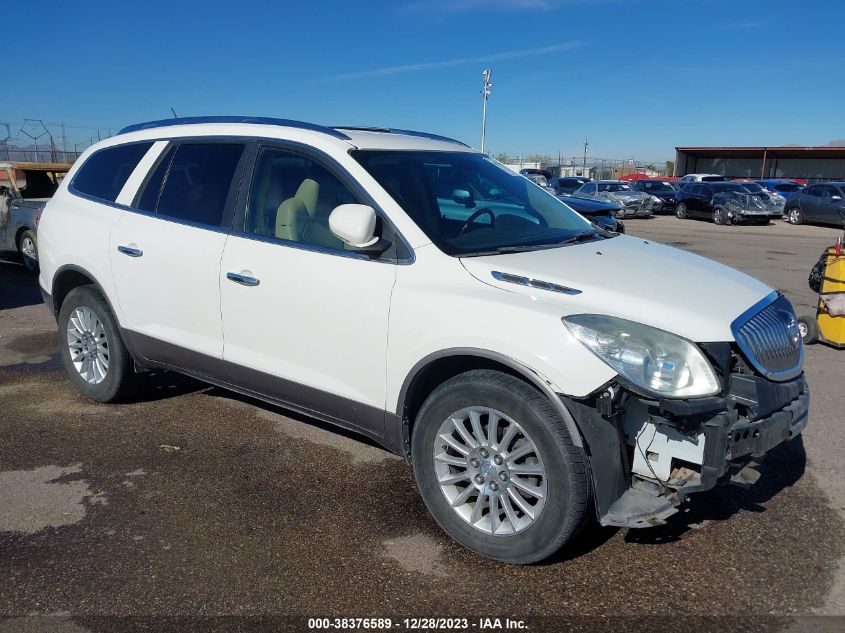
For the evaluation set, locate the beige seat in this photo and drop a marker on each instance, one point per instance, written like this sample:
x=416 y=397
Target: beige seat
x=293 y=215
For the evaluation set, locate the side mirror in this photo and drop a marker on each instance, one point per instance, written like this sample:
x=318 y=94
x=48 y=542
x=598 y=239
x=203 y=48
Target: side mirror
x=836 y=198
x=355 y=224
x=462 y=196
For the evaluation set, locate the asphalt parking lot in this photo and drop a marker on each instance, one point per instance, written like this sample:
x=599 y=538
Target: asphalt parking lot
x=195 y=502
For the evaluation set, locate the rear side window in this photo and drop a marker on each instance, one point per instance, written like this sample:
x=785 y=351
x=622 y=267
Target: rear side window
x=198 y=181
x=106 y=171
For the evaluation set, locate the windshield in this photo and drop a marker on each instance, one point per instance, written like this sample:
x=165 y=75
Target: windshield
x=613 y=186
x=753 y=187
x=539 y=179
x=657 y=186
x=467 y=204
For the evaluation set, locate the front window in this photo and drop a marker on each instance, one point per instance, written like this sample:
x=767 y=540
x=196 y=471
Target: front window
x=467 y=204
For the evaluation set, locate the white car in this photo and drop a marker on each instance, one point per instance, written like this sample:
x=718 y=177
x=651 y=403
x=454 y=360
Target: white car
x=704 y=178
x=529 y=366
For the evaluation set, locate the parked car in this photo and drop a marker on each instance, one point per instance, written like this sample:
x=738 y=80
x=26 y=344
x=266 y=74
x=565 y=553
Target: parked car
x=528 y=171
x=775 y=201
x=602 y=213
x=541 y=181
x=25 y=189
x=723 y=203
x=677 y=185
x=781 y=187
x=818 y=204
x=566 y=185
x=661 y=189
x=704 y=178
x=631 y=203
x=530 y=367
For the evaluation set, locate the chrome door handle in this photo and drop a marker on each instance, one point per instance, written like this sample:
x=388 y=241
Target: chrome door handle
x=244 y=280
x=129 y=250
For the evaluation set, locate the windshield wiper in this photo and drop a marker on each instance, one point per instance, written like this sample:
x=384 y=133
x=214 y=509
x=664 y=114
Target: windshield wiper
x=582 y=237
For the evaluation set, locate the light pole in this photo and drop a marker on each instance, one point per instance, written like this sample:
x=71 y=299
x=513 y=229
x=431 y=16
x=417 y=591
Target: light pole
x=584 y=168
x=485 y=94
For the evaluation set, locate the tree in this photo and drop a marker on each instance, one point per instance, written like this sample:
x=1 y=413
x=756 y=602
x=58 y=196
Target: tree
x=670 y=168
x=502 y=157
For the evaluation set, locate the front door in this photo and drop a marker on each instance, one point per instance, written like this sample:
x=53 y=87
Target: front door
x=830 y=206
x=304 y=317
x=166 y=255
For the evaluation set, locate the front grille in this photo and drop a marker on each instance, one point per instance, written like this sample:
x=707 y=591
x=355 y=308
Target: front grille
x=769 y=339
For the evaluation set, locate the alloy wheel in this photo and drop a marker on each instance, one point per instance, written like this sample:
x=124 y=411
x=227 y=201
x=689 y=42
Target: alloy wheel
x=88 y=345
x=28 y=248
x=490 y=471
x=794 y=216
x=681 y=211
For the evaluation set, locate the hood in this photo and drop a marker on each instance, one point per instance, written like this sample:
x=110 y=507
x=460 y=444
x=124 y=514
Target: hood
x=625 y=195
x=589 y=206
x=633 y=279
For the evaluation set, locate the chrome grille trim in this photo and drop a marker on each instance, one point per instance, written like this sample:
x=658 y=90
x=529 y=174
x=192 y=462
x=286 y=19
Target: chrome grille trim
x=767 y=334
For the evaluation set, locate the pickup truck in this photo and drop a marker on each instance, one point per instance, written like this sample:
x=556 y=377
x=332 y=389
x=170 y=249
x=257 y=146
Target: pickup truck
x=24 y=190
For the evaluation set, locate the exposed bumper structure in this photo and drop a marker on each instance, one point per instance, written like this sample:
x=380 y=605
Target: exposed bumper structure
x=647 y=456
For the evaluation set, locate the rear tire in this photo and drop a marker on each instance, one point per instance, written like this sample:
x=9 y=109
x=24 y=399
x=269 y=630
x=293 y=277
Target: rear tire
x=518 y=527
x=809 y=329
x=93 y=352
x=28 y=248
x=681 y=211
x=794 y=216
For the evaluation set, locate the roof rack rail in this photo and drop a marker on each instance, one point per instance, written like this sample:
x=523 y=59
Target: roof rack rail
x=193 y=120
x=391 y=130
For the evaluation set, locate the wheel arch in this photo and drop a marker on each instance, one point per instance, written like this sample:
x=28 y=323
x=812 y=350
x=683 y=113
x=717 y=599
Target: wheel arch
x=23 y=228
x=437 y=367
x=71 y=276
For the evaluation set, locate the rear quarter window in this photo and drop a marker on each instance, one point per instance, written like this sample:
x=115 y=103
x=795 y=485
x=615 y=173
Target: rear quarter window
x=103 y=175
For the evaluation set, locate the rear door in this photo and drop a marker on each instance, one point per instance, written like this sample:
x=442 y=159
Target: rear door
x=809 y=202
x=165 y=251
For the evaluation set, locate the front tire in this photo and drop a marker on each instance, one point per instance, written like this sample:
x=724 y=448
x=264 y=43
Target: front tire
x=720 y=217
x=794 y=216
x=28 y=248
x=92 y=350
x=497 y=467
x=681 y=211
x=809 y=330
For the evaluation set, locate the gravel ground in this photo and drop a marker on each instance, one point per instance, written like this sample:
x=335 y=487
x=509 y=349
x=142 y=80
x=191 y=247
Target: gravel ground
x=194 y=503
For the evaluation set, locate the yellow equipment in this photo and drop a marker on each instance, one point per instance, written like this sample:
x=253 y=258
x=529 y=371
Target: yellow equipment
x=829 y=323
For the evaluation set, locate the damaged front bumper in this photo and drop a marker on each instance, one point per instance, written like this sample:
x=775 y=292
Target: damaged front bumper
x=646 y=456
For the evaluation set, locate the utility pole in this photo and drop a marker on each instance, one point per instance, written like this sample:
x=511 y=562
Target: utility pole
x=485 y=94
x=584 y=169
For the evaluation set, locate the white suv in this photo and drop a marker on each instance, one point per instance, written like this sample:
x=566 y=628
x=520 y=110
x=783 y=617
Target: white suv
x=528 y=364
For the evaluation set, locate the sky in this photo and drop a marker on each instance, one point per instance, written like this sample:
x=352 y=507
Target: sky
x=635 y=77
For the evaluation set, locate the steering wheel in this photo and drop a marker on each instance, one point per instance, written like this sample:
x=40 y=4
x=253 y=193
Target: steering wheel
x=466 y=227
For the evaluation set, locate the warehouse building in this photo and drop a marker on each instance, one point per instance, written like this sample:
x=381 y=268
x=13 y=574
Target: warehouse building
x=812 y=164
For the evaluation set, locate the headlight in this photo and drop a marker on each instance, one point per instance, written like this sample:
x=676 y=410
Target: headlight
x=653 y=359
